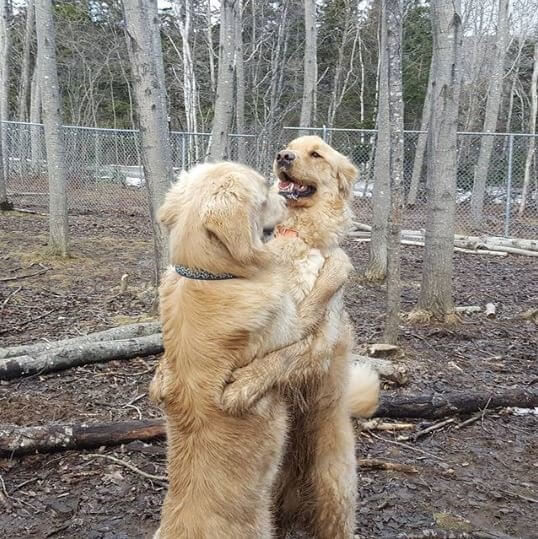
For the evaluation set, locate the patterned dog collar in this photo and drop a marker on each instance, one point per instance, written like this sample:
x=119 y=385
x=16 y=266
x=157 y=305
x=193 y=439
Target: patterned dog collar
x=202 y=275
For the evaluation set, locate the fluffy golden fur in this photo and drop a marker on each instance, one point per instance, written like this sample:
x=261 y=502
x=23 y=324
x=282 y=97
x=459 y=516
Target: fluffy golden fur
x=222 y=467
x=317 y=485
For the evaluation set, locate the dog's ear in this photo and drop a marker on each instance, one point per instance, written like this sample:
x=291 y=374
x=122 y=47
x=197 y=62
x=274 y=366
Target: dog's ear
x=229 y=218
x=347 y=174
x=170 y=210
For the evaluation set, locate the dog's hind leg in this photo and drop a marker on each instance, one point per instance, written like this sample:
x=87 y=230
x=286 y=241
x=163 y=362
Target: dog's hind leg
x=334 y=478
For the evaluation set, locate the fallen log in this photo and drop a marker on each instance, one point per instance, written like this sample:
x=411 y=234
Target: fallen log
x=16 y=440
x=122 y=332
x=68 y=356
x=468 y=309
x=385 y=368
x=436 y=406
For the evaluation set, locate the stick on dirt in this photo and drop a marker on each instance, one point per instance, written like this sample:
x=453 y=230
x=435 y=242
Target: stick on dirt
x=376 y=464
x=122 y=332
x=436 y=406
x=68 y=356
x=16 y=440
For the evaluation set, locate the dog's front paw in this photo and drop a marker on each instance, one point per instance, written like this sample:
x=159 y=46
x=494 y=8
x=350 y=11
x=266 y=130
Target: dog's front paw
x=242 y=393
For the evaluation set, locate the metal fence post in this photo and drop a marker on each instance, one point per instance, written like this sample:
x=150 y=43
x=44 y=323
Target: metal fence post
x=183 y=153
x=508 y=186
x=324 y=133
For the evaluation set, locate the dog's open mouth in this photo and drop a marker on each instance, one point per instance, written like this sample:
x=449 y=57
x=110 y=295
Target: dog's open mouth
x=291 y=189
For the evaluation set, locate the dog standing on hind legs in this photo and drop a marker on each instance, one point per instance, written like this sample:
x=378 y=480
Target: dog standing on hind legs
x=317 y=485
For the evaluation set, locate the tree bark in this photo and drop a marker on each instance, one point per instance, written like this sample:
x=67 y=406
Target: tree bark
x=377 y=262
x=145 y=56
x=122 y=332
x=5 y=46
x=308 y=105
x=532 y=131
x=436 y=406
x=436 y=287
x=52 y=120
x=74 y=355
x=24 y=91
x=36 y=131
x=240 y=84
x=421 y=142
x=15 y=440
x=394 y=16
x=190 y=87
x=222 y=118
x=492 y=113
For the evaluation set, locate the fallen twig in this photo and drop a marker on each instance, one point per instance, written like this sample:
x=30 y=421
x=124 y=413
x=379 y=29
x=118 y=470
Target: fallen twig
x=131 y=467
x=4 y=303
x=17 y=277
x=377 y=464
x=420 y=433
x=376 y=424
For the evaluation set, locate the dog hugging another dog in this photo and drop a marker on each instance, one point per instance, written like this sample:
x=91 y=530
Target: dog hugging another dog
x=256 y=381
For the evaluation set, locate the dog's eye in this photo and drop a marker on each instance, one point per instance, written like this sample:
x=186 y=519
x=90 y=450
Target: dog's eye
x=315 y=154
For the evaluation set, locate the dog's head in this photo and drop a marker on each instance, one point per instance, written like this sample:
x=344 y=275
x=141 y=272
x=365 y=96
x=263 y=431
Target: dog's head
x=309 y=169
x=219 y=216
x=316 y=181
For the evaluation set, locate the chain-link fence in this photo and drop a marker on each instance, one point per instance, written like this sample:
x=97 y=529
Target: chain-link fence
x=105 y=175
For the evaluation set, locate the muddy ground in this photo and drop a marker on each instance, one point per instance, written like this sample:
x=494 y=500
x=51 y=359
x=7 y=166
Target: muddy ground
x=481 y=479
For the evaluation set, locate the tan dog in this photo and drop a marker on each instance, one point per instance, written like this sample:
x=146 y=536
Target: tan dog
x=318 y=480
x=227 y=302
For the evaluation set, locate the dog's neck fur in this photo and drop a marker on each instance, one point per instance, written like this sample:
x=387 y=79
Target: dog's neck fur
x=322 y=226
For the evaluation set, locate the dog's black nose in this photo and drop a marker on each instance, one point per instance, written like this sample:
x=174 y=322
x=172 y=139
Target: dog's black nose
x=285 y=157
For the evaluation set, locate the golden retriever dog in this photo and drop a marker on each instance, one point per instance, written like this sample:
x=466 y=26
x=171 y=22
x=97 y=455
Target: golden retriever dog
x=225 y=302
x=317 y=484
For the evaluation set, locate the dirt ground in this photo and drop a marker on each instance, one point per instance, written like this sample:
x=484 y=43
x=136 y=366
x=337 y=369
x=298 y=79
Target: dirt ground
x=481 y=479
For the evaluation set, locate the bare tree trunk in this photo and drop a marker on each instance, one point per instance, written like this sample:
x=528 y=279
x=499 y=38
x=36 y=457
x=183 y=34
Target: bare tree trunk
x=145 y=55
x=421 y=143
x=211 y=52
x=377 y=263
x=5 y=48
x=24 y=92
x=222 y=119
x=35 y=118
x=190 y=87
x=532 y=130
x=308 y=106
x=240 y=84
x=492 y=113
x=52 y=120
x=436 y=287
x=393 y=16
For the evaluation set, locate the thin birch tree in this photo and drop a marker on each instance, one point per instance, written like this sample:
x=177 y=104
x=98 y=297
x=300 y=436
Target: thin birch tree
x=26 y=68
x=239 y=84
x=5 y=47
x=532 y=131
x=436 y=288
x=377 y=262
x=145 y=54
x=393 y=14
x=310 y=75
x=492 y=112
x=52 y=122
x=223 y=115
x=418 y=162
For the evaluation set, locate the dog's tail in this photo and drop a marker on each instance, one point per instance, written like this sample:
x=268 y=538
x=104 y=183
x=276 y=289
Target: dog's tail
x=363 y=391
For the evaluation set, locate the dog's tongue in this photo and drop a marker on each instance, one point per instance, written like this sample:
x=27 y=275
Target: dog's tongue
x=285 y=185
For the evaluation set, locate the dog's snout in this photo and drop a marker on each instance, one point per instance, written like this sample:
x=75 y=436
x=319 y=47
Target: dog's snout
x=285 y=157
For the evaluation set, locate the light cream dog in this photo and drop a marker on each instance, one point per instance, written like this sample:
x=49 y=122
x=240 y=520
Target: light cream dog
x=317 y=484
x=227 y=302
